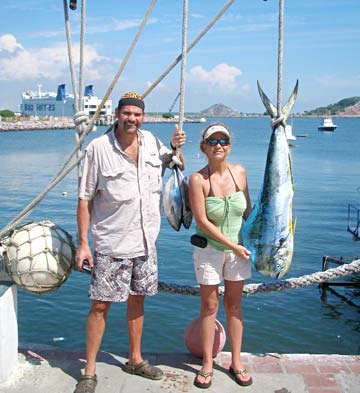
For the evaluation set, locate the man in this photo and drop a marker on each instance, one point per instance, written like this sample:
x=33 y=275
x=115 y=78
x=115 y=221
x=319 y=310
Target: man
x=119 y=197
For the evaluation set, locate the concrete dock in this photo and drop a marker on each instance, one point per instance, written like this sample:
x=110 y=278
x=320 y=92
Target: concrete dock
x=50 y=370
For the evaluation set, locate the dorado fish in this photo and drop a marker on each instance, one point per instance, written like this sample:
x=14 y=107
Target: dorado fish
x=268 y=232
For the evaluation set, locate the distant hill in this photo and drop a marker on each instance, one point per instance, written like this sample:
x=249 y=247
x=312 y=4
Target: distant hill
x=219 y=110
x=347 y=106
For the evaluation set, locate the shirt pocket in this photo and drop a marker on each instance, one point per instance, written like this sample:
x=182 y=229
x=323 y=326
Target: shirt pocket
x=115 y=185
x=153 y=167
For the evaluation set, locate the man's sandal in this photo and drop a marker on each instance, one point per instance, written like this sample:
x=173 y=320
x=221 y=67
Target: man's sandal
x=87 y=384
x=242 y=373
x=144 y=369
x=203 y=385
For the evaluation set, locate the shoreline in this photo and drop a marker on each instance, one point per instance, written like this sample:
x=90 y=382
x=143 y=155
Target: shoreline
x=68 y=124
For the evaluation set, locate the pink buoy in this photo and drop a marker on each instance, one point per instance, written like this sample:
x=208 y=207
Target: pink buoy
x=192 y=338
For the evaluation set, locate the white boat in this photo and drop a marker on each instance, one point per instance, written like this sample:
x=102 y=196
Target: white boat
x=60 y=104
x=289 y=134
x=327 y=125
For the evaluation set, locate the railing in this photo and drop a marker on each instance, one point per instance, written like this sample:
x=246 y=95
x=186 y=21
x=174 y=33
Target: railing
x=353 y=228
x=338 y=261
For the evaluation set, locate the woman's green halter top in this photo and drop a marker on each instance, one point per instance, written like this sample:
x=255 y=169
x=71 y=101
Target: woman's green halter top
x=226 y=214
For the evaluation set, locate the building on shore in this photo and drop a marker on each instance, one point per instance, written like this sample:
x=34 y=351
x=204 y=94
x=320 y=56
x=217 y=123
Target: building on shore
x=62 y=104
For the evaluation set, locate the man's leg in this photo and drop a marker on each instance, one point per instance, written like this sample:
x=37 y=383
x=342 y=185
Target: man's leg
x=135 y=321
x=94 y=332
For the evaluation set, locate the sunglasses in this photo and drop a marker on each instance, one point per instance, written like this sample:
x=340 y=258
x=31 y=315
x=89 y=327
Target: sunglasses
x=215 y=141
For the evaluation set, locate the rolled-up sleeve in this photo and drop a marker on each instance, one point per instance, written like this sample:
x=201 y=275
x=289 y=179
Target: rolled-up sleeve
x=89 y=179
x=165 y=155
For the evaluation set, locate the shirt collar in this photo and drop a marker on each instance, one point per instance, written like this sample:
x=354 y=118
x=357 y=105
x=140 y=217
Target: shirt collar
x=115 y=142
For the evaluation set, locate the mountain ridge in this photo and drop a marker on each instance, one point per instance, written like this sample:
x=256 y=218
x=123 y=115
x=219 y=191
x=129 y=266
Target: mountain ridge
x=345 y=107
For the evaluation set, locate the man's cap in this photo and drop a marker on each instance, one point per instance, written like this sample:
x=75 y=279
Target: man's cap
x=132 y=98
x=212 y=129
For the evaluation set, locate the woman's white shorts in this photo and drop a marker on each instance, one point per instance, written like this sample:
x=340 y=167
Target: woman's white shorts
x=213 y=266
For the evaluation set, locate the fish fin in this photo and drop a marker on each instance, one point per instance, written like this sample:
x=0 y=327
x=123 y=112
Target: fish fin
x=291 y=101
x=270 y=107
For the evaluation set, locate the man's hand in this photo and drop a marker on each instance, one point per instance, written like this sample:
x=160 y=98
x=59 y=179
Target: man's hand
x=178 y=138
x=83 y=253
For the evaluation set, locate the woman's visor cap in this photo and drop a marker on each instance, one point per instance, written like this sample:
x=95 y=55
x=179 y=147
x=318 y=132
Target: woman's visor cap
x=214 y=129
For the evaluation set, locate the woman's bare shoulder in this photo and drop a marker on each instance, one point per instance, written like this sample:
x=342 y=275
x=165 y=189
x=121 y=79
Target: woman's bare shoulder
x=238 y=169
x=200 y=175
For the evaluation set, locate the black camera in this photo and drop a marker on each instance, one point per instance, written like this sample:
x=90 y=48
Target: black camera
x=198 y=241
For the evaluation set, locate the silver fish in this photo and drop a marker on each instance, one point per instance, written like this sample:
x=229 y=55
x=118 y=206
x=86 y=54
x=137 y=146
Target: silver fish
x=172 y=199
x=269 y=230
x=186 y=213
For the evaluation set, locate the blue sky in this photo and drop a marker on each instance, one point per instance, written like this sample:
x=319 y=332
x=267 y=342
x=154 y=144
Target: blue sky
x=321 y=49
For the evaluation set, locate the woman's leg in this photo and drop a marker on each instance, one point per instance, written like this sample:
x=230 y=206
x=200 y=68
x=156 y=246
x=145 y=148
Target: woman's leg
x=233 y=310
x=209 y=308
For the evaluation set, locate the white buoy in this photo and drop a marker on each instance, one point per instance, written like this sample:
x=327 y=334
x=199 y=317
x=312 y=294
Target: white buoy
x=39 y=256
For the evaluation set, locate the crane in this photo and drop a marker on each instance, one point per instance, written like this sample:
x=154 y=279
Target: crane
x=169 y=114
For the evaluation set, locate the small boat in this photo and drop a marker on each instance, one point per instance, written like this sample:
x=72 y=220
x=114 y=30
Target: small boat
x=327 y=125
x=289 y=134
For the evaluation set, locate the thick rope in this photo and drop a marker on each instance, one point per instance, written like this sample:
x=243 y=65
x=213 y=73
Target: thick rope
x=191 y=45
x=82 y=45
x=176 y=158
x=71 y=62
x=291 y=283
x=77 y=97
x=280 y=56
x=60 y=175
x=183 y=72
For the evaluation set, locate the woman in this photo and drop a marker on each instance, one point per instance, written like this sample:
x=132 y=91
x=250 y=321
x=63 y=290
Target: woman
x=219 y=200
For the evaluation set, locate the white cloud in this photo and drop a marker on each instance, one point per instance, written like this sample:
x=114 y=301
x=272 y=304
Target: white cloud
x=161 y=86
x=8 y=43
x=118 y=25
x=222 y=76
x=246 y=88
x=197 y=16
x=51 y=63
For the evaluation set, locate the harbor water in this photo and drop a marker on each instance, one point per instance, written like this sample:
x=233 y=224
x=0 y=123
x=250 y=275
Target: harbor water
x=326 y=170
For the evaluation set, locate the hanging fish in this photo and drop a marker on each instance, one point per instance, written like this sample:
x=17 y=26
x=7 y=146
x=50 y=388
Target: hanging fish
x=172 y=199
x=269 y=230
x=186 y=213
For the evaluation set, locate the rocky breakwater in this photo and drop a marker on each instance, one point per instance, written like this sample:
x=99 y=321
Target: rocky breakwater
x=29 y=125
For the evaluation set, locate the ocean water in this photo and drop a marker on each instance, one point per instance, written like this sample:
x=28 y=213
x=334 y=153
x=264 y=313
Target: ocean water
x=326 y=170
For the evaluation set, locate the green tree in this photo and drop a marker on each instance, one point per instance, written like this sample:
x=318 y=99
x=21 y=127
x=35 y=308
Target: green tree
x=6 y=113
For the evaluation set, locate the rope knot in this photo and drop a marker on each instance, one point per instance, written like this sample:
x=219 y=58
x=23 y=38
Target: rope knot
x=175 y=161
x=280 y=120
x=81 y=121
